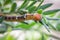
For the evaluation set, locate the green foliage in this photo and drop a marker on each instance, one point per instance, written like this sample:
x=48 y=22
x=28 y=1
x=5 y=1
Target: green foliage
x=25 y=8
x=51 y=26
x=44 y=22
x=51 y=12
x=24 y=4
x=48 y=23
x=43 y=37
x=31 y=9
x=7 y=37
x=43 y=7
x=39 y=5
x=25 y=26
x=13 y=7
x=40 y=11
x=31 y=4
x=22 y=11
x=58 y=26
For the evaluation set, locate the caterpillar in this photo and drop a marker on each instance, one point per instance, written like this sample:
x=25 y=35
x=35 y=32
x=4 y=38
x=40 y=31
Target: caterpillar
x=21 y=18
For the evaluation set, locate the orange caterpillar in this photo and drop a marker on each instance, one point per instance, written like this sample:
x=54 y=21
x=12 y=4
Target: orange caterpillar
x=35 y=17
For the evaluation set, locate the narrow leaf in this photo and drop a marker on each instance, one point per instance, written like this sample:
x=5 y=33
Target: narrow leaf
x=44 y=22
x=31 y=4
x=24 y=4
x=31 y=9
x=47 y=27
x=22 y=11
x=45 y=6
x=25 y=26
x=13 y=7
x=42 y=37
x=53 y=18
x=51 y=26
x=39 y=5
x=51 y=11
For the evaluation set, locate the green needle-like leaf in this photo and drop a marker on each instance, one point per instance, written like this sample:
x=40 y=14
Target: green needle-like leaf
x=43 y=36
x=51 y=26
x=39 y=5
x=44 y=22
x=46 y=26
x=51 y=12
x=25 y=26
x=31 y=4
x=22 y=11
x=31 y=9
x=24 y=4
x=43 y=7
x=13 y=7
